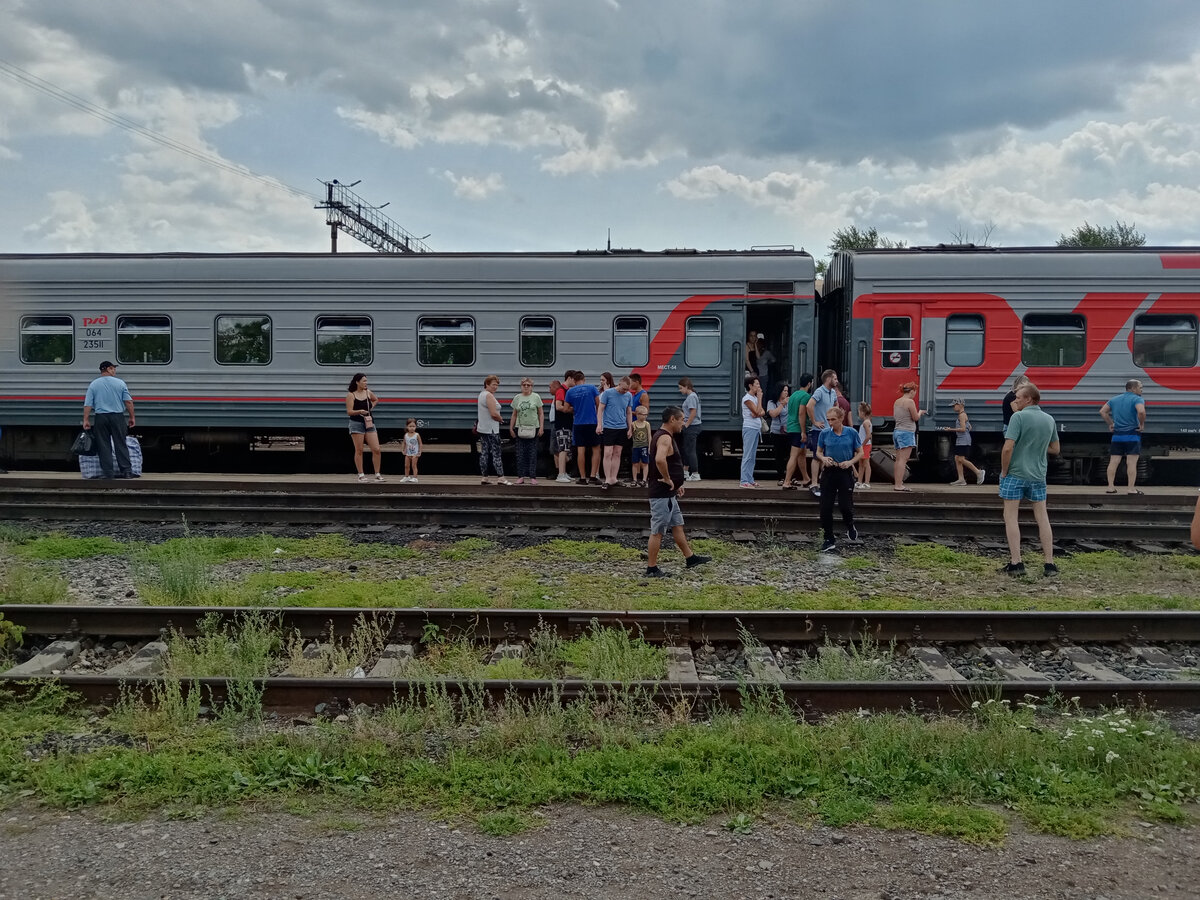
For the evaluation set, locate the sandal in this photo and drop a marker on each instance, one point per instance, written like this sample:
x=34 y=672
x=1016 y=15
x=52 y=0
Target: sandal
x=485 y=481
x=905 y=490
x=1113 y=491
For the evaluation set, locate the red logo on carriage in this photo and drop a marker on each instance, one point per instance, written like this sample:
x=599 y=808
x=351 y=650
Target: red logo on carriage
x=94 y=320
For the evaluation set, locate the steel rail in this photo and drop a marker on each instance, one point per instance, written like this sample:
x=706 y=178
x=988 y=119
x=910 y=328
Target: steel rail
x=813 y=699
x=1074 y=517
x=658 y=626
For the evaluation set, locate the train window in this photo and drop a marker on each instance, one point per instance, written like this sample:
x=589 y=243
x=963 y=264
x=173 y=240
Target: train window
x=143 y=340
x=344 y=341
x=631 y=341
x=702 y=344
x=1053 y=340
x=537 y=341
x=1165 y=341
x=243 y=340
x=895 y=347
x=964 y=340
x=48 y=340
x=445 y=341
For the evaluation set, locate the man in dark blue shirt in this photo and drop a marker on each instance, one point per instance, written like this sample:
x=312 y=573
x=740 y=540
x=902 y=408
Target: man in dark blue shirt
x=1126 y=418
x=584 y=398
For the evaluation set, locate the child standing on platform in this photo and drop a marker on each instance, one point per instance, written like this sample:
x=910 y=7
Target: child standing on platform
x=641 y=446
x=412 y=451
x=413 y=448
x=865 y=431
x=962 y=444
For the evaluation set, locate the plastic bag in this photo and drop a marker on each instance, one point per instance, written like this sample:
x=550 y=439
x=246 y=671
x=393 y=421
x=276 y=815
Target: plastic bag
x=83 y=444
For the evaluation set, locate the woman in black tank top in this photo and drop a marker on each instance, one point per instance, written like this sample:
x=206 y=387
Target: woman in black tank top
x=362 y=424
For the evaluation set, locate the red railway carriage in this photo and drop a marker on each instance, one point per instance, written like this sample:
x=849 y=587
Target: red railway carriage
x=965 y=321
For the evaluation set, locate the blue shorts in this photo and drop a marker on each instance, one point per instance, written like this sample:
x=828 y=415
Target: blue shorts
x=357 y=427
x=813 y=434
x=798 y=439
x=664 y=514
x=1013 y=488
x=641 y=455
x=903 y=439
x=1125 y=445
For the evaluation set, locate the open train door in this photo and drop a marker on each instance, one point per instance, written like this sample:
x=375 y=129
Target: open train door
x=897 y=357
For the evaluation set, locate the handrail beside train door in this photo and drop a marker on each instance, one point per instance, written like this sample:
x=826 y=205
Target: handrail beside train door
x=738 y=369
x=864 y=369
x=925 y=367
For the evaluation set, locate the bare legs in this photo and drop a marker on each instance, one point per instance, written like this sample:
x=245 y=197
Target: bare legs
x=1012 y=530
x=655 y=544
x=902 y=455
x=612 y=463
x=1114 y=462
x=358 y=451
x=961 y=462
x=796 y=467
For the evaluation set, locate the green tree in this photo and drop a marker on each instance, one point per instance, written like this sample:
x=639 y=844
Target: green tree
x=1119 y=235
x=854 y=238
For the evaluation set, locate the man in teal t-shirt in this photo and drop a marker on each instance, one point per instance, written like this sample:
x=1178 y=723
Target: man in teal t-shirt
x=1031 y=435
x=797 y=429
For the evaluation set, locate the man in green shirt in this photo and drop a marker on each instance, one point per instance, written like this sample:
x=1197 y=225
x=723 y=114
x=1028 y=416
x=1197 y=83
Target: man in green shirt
x=797 y=429
x=1031 y=435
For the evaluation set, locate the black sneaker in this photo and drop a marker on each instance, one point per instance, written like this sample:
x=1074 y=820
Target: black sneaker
x=852 y=534
x=595 y=481
x=655 y=572
x=1016 y=570
x=582 y=481
x=697 y=560
x=829 y=546
x=1049 y=570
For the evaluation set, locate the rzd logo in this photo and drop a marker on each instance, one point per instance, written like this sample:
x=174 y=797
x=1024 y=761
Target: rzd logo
x=94 y=320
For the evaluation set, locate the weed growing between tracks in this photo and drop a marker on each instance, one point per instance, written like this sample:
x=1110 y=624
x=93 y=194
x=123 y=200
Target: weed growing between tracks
x=1059 y=770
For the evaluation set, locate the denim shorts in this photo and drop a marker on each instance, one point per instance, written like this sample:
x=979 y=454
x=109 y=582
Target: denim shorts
x=1125 y=445
x=357 y=427
x=641 y=455
x=1014 y=488
x=665 y=514
x=903 y=439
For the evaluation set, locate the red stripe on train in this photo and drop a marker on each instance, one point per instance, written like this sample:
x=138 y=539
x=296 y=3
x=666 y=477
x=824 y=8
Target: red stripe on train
x=1180 y=260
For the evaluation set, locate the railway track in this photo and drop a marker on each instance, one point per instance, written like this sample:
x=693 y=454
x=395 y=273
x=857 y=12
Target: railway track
x=1076 y=516
x=955 y=658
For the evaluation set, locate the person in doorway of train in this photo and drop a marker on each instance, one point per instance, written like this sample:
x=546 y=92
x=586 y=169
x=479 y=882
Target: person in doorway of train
x=823 y=399
x=109 y=399
x=360 y=401
x=866 y=431
x=751 y=358
x=1125 y=416
x=962 y=443
x=666 y=488
x=691 y=429
x=527 y=424
x=764 y=360
x=752 y=413
x=796 y=473
x=615 y=427
x=904 y=435
x=780 y=445
x=1006 y=405
x=1031 y=435
x=413 y=447
x=839 y=449
x=583 y=398
x=564 y=421
x=487 y=424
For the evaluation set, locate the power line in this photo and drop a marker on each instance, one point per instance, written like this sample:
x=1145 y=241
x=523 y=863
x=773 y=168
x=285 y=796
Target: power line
x=28 y=79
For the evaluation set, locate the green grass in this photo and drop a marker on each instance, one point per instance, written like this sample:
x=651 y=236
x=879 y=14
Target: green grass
x=496 y=764
x=29 y=584
x=57 y=546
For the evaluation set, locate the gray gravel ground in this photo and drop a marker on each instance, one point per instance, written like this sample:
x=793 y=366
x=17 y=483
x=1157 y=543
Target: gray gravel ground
x=578 y=852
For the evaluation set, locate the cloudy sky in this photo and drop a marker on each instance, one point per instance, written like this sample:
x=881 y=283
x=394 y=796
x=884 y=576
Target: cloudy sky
x=541 y=124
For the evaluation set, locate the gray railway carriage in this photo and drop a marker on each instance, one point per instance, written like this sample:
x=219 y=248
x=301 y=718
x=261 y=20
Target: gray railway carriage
x=966 y=321
x=221 y=349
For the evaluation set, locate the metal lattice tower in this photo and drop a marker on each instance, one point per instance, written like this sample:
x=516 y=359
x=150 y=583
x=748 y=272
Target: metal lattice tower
x=346 y=210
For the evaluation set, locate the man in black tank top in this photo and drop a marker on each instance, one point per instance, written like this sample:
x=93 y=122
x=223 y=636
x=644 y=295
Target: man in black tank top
x=666 y=487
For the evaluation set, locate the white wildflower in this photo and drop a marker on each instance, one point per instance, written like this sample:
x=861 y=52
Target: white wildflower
x=1119 y=730
x=1148 y=733
x=1091 y=749
x=975 y=704
x=1098 y=732
x=1110 y=756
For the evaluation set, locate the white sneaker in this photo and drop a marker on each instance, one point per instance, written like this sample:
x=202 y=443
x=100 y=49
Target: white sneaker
x=865 y=486
x=979 y=478
x=858 y=485
x=412 y=479
x=695 y=476
x=564 y=478
x=958 y=483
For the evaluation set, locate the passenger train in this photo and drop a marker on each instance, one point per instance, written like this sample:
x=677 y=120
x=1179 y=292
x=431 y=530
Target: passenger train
x=221 y=350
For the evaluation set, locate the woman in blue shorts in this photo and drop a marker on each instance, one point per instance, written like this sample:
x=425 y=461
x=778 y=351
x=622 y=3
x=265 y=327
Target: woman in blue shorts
x=904 y=436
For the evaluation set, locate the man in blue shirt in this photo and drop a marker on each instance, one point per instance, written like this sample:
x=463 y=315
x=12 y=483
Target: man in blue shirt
x=583 y=399
x=839 y=449
x=615 y=426
x=1126 y=418
x=823 y=399
x=109 y=399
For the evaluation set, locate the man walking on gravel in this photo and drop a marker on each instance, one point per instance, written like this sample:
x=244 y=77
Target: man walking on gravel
x=108 y=398
x=1031 y=435
x=666 y=487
